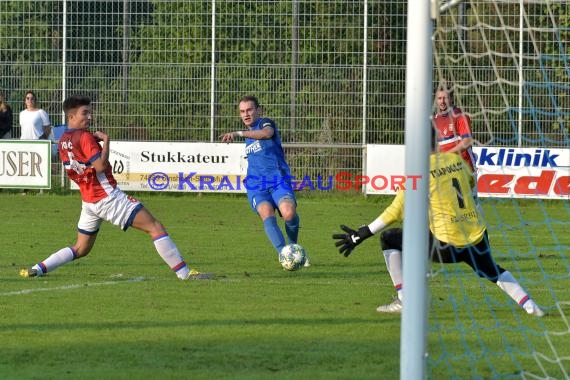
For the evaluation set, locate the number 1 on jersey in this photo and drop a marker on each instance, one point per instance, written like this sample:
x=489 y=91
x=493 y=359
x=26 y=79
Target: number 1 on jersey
x=457 y=187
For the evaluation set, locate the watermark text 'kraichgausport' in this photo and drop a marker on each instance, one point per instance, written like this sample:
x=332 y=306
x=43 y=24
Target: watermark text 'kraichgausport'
x=341 y=181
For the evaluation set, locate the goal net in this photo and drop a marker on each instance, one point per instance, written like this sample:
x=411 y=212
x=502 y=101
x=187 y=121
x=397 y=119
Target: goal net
x=508 y=64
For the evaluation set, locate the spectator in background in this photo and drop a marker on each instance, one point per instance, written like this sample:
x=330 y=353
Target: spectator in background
x=453 y=127
x=6 y=119
x=34 y=122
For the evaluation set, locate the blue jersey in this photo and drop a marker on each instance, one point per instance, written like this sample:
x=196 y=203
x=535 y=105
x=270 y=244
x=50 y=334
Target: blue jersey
x=265 y=158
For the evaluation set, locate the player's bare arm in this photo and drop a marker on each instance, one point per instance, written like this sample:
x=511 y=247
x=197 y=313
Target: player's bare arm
x=464 y=144
x=263 y=134
x=102 y=162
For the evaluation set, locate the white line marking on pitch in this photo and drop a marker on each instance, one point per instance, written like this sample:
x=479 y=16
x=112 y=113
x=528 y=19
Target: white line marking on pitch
x=68 y=287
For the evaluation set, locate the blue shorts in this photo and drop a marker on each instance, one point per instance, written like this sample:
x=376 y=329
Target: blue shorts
x=273 y=195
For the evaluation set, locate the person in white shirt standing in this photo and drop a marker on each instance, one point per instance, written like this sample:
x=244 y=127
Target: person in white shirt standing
x=34 y=122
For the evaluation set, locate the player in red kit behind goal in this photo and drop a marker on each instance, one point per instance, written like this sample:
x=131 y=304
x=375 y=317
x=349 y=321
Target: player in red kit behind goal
x=453 y=127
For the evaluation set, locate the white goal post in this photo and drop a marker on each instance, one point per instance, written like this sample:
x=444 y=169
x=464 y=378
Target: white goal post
x=419 y=68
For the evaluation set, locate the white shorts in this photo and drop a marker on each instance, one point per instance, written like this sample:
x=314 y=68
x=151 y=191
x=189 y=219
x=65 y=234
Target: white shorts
x=117 y=208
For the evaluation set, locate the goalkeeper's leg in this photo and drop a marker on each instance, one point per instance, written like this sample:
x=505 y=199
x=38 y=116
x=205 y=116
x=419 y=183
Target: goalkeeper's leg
x=479 y=258
x=511 y=286
x=391 y=243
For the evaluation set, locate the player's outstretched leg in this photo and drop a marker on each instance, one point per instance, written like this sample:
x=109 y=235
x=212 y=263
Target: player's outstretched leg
x=81 y=248
x=165 y=247
x=170 y=254
x=393 y=258
x=511 y=286
x=274 y=233
x=292 y=229
x=54 y=261
x=288 y=210
x=393 y=307
x=391 y=245
x=172 y=257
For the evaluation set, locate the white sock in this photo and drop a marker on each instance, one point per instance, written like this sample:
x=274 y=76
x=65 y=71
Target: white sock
x=171 y=256
x=393 y=259
x=54 y=261
x=511 y=286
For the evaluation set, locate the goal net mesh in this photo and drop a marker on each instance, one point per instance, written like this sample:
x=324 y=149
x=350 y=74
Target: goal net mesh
x=508 y=64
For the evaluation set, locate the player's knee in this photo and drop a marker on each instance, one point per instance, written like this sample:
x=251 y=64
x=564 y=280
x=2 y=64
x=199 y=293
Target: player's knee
x=288 y=214
x=156 y=228
x=265 y=212
x=287 y=209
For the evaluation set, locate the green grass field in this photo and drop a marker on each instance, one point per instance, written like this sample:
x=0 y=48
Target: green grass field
x=120 y=313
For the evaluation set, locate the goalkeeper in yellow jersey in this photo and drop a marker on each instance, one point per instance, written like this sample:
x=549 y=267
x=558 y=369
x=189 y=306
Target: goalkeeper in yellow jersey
x=457 y=232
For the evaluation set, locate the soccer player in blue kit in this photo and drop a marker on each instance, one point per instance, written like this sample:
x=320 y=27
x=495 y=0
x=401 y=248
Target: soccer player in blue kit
x=268 y=181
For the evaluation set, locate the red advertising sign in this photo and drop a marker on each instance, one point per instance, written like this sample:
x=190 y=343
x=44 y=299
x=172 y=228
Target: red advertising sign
x=523 y=172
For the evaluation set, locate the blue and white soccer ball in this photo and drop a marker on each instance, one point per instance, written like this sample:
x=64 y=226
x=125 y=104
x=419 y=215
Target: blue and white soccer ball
x=292 y=257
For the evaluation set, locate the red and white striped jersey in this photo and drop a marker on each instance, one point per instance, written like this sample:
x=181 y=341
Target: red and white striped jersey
x=78 y=149
x=452 y=127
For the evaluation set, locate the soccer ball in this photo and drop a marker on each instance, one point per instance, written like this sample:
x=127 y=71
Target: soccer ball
x=292 y=257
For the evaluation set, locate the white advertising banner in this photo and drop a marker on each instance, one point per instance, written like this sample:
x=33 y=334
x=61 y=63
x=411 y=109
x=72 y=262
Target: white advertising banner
x=501 y=172
x=172 y=166
x=385 y=169
x=25 y=164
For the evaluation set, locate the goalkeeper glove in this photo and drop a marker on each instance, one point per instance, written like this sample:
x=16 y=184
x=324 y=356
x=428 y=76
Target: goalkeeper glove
x=347 y=242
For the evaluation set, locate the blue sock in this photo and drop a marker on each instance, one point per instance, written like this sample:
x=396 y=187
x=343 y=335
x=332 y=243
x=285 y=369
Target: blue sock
x=274 y=233
x=292 y=229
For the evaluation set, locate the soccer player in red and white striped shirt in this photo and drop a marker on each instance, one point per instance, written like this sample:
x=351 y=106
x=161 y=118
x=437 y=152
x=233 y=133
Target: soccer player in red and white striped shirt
x=86 y=162
x=453 y=127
